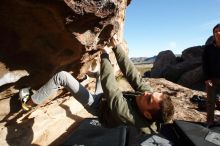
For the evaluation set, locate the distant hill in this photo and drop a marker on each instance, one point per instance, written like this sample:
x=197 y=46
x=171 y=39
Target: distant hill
x=143 y=60
x=147 y=60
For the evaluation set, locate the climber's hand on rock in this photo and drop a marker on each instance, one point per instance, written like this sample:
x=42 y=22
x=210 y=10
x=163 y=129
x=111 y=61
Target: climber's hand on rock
x=106 y=49
x=114 y=41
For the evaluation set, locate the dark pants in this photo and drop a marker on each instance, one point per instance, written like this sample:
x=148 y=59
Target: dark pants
x=212 y=92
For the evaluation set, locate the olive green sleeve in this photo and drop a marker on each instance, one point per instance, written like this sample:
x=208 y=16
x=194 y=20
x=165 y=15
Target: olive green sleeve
x=116 y=102
x=130 y=71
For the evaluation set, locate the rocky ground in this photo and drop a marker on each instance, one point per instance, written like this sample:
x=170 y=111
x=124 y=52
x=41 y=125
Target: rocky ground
x=52 y=122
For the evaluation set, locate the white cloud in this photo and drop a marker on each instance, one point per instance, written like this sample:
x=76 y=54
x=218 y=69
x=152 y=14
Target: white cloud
x=172 y=45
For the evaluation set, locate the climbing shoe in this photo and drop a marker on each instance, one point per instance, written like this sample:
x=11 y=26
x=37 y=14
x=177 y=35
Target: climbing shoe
x=24 y=97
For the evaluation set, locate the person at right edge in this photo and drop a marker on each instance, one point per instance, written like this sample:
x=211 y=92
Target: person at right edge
x=211 y=71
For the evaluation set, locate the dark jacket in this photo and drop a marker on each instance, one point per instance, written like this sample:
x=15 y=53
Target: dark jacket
x=115 y=107
x=211 y=62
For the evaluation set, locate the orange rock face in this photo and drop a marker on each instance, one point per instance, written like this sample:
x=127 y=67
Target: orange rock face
x=39 y=38
x=44 y=37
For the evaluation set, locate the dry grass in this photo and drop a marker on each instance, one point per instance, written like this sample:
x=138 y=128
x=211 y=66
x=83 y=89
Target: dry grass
x=142 y=68
x=123 y=84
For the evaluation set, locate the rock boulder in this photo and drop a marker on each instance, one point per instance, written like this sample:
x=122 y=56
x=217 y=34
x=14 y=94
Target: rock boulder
x=162 y=61
x=185 y=70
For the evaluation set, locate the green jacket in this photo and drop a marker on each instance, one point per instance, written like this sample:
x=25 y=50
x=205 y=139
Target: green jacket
x=117 y=108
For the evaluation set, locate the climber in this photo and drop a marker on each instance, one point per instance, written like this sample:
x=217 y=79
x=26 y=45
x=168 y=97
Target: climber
x=211 y=70
x=142 y=108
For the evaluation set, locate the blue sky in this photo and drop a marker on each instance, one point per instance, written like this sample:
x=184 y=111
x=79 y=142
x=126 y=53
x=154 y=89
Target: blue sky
x=152 y=26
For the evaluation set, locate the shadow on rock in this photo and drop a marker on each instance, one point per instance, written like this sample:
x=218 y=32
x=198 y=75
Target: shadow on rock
x=76 y=118
x=15 y=107
x=20 y=133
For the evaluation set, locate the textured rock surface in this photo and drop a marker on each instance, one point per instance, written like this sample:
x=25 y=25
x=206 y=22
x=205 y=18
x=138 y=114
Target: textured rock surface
x=192 y=53
x=191 y=77
x=162 y=61
x=174 y=72
x=44 y=37
x=40 y=38
x=47 y=124
x=185 y=70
